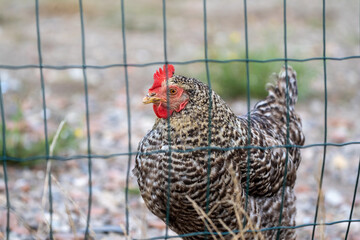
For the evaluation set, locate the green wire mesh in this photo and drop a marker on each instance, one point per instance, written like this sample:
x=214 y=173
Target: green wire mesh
x=130 y=153
x=45 y=118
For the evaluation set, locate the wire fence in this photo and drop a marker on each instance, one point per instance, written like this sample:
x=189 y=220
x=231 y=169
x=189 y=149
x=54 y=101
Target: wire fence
x=5 y=159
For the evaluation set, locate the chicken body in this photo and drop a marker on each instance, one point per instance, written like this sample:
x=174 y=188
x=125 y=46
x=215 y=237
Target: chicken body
x=214 y=178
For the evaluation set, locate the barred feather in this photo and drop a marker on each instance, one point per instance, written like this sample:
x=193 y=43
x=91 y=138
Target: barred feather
x=189 y=131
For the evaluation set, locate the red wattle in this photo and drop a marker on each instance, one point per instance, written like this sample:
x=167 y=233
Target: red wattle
x=161 y=111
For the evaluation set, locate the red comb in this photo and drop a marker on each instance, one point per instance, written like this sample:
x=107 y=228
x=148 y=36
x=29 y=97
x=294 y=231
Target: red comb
x=160 y=75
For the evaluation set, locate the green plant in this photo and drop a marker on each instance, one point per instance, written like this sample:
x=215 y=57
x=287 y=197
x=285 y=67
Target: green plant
x=229 y=79
x=22 y=144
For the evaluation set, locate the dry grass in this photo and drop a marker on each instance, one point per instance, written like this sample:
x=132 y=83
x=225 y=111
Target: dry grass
x=240 y=214
x=321 y=212
x=44 y=226
x=22 y=222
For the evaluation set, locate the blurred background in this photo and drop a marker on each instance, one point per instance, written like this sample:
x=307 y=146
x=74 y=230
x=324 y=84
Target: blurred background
x=65 y=101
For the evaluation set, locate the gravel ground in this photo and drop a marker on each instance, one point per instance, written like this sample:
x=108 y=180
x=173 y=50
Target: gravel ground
x=61 y=45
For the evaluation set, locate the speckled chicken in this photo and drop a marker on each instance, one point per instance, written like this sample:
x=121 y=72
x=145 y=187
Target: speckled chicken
x=176 y=151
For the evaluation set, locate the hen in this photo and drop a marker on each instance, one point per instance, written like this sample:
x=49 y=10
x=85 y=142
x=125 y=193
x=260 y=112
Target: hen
x=213 y=178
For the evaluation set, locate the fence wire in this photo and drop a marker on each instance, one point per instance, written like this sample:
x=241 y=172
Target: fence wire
x=130 y=153
x=47 y=152
x=325 y=119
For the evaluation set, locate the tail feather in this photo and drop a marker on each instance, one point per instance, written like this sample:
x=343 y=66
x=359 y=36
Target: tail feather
x=276 y=109
x=281 y=89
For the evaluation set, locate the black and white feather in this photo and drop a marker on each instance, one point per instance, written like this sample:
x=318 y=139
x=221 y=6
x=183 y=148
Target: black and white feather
x=189 y=130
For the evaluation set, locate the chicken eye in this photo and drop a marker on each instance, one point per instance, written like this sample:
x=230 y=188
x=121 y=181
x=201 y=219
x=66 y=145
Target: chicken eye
x=172 y=91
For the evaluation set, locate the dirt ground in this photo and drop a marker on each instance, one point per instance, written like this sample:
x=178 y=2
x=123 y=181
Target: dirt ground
x=108 y=116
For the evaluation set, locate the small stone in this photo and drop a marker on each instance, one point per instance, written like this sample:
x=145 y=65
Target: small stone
x=339 y=135
x=2 y=185
x=68 y=236
x=158 y=224
x=22 y=184
x=98 y=211
x=81 y=181
x=340 y=162
x=333 y=197
x=302 y=188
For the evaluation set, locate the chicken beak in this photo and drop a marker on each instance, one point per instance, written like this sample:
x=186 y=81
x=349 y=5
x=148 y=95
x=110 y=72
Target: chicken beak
x=150 y=98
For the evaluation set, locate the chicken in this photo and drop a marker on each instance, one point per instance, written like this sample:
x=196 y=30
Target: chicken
x=176 y=151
